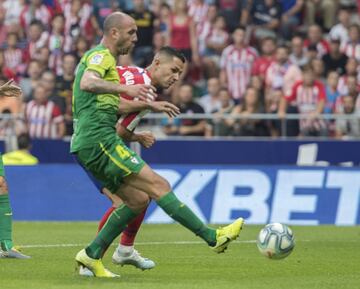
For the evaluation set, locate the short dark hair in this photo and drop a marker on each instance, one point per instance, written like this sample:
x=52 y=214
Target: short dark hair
x=24 y=141
x=240 y=27
x=170 y=51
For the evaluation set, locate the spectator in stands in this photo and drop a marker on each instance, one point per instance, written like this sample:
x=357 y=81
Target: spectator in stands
x=218 y=126
x=198 y=10
x=63 y=83
x=78 y=23
x=319 y=69
x=236 y=12
x=38 y=38
x=211 y=102
x=182 y=34
x=281 y=74
x=30 y=81
x=56 y=43
x=21 y=156
x=335 y=60
x=204 y=29
x=35 y=10
x=298 y=53
x=13 y=9
x=352 y=47
x=236 y=64
x=348 y=128
x=262 y=63
x=13 y=55
x=332 y=94
x=63 y=88
x=163 y=19
x=43 y=116
x=291 y=16
x=5 y=72
x=266 y=15
x=80 y=47
x=187 y=105
x=247 y=126
x=341 y=30
x=309 y=97
x=352 y=72
x=144 y=19
x=216 y=41
x=48 y=80
x=315 y=37
x=325 y=8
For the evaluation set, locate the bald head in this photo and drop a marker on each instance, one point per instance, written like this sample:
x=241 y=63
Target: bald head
x=117 y=20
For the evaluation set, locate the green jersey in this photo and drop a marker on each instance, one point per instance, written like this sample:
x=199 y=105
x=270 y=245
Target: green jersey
x=95 y=115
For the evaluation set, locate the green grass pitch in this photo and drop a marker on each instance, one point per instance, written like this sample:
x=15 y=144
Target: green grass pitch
x=324 y=257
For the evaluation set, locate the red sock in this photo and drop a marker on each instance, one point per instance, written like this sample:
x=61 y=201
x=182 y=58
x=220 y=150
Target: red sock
x=129 y=234
x=105 y=218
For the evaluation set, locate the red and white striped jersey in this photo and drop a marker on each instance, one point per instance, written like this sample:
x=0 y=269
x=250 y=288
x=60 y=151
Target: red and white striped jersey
x=307 y=98
x=43 y=14
x=237 y=64
x=130 y=75
x=351 y=50
x=198 y=11
x=343 y=84
x=13 y=58
x=43 y=119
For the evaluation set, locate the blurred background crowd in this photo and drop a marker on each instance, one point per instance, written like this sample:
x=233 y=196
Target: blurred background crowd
x=246 y=57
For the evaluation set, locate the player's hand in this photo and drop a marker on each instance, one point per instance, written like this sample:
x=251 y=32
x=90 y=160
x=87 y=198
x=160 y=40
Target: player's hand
x=9 y=89
x=146 y=138
x=144 y=92
x=166 y=107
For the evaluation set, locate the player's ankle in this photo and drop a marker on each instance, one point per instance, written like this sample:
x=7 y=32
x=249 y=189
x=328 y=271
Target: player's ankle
x=124 y=250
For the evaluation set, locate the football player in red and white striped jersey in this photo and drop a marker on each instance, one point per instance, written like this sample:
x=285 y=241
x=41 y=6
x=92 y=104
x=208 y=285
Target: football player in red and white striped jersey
x=165 y=69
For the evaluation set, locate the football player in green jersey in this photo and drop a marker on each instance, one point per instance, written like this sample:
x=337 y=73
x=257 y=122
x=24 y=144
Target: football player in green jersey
x=7 y=249
x=103 y=153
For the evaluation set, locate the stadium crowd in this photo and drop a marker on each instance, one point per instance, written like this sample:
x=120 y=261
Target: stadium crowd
x=245 y=57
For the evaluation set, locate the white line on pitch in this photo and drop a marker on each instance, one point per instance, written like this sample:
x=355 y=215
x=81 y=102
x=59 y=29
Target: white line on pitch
x=137 y=244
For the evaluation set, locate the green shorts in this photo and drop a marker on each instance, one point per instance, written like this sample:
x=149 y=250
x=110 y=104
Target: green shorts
x=2 y=172
x=110 y=162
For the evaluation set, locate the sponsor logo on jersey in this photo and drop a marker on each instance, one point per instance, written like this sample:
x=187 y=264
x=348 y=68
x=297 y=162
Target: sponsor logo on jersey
x=96 y=59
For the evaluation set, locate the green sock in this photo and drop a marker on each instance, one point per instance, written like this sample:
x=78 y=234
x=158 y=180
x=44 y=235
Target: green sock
x=116 y=223
x=5 y=223
x=182 y=214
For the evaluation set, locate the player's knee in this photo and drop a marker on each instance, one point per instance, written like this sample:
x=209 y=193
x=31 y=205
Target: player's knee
x=161 y=187
x=138 y=202
x=3 y=186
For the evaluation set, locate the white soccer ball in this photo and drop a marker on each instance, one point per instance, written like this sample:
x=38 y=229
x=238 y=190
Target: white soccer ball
x=276 y=241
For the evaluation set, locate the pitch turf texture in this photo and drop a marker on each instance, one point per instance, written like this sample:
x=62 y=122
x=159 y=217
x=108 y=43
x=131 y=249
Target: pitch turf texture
x=324 y=257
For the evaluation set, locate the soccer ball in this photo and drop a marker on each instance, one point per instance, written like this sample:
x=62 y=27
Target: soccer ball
x=276 y=241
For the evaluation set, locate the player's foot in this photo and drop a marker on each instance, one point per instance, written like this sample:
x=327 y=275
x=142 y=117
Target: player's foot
x=94 y=265
x=132 y=258
x=227 y=234
x=13 y=253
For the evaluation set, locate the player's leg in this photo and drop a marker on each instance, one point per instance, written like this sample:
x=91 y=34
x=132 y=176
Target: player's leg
x=109 y=163
x=126 y=244
x=125 y=253
x=7 y=249
x=159 y=190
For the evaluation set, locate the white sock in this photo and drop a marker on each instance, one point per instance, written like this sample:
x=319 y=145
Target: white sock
x=125 y=250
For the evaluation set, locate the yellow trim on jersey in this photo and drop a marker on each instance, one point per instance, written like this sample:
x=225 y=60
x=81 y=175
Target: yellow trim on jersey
x=115 y=161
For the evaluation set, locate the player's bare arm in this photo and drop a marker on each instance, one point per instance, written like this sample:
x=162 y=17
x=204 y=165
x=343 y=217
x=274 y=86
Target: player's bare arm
x=128 y=106
x=92 y=82
x=145 y=138
x=9 y=89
